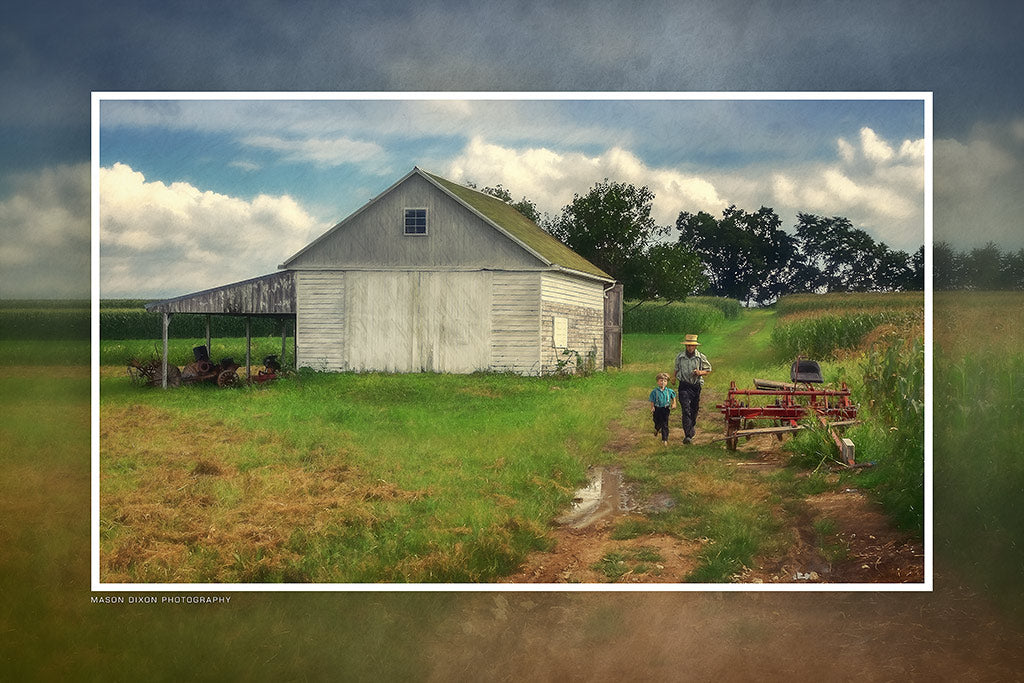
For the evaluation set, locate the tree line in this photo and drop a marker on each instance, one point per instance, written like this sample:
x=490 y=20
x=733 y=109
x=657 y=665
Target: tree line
x=741 y=255
x=983 y=269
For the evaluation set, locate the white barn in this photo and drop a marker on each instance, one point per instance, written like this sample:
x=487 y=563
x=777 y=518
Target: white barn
x=432 y=276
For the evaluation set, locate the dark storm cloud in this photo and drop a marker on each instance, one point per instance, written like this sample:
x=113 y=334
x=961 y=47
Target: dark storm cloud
x=966 y=52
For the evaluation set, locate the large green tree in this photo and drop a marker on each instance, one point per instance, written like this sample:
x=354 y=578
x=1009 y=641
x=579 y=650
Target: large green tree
x=893 y=269
x=846 y=257
x=746 y=256
x=612 y=227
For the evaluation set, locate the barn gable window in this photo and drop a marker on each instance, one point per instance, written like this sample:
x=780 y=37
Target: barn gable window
x=415 y=221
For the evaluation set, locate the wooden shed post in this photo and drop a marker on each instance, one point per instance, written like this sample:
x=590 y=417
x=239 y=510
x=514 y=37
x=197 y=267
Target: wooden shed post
x=209 y=351
x=248 y=345
x=284 y=338
x=167 y=323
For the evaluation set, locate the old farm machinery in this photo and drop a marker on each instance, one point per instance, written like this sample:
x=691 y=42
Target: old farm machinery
x=201 y=370
x=788 y=406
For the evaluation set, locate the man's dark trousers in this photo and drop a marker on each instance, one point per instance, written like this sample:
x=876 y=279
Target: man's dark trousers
x=689 y=403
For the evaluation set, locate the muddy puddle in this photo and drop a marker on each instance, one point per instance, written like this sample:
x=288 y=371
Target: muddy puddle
x=607 y=495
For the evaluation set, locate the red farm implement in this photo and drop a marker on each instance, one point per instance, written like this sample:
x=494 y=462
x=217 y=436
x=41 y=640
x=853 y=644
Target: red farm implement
x=782 y=407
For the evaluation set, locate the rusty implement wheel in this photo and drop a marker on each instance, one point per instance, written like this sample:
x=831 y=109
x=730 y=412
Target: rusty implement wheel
x=228 y=378
x=731 y=426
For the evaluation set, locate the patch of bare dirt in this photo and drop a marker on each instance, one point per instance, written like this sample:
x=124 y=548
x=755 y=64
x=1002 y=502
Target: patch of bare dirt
x=585 y=551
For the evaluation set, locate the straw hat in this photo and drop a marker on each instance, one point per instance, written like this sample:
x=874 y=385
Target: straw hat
x=691 y=340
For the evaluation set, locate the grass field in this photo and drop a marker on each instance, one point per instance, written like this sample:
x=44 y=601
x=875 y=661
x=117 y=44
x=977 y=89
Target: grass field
x=431 y=478
x=425 y=478
x=342 y=478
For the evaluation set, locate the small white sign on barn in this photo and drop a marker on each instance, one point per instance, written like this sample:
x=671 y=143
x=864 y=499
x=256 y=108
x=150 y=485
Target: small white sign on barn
x=561 y=332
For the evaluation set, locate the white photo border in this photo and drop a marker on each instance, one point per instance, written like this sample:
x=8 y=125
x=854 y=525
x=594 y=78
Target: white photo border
x=926 y=98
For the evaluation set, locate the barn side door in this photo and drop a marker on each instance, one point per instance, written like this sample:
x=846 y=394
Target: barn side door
x=613 y=326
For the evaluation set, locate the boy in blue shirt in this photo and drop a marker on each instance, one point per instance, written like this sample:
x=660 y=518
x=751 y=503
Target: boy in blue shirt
x=663 y=399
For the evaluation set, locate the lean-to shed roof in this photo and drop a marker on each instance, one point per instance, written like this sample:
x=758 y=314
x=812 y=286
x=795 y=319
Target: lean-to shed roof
x=272 y=294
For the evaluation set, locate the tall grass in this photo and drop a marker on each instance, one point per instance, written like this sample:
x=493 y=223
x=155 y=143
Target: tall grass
x=888 y=385
x=893 y=436
x=34 y=320
x=44 y=323
x=139 y=324
x=674 y=318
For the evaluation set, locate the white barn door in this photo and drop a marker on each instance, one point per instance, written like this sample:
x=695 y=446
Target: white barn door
x=418 y=322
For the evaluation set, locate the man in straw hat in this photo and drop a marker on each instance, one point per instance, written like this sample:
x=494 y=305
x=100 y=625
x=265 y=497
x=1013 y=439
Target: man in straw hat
x=691 y=366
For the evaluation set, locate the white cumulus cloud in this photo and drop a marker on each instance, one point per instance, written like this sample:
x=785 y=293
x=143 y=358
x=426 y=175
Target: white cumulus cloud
x=161 y=240
x=875 y=148
x=876 y=183
x=550 y=178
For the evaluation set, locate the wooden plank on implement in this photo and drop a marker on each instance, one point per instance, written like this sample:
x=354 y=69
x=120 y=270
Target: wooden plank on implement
x=772 y=384
x=767 y=430
x=761 y=430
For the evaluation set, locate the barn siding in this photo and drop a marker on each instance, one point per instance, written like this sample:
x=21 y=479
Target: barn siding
x=394 y=321
x=581 y=302
x=456 y=237
x=515 y=323
x=320 y=320
x=402 y=321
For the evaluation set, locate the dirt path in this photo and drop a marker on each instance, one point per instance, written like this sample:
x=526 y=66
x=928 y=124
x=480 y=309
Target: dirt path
x=837 y=536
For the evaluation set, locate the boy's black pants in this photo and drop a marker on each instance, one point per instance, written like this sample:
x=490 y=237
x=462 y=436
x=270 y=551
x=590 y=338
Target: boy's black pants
x=660 y=416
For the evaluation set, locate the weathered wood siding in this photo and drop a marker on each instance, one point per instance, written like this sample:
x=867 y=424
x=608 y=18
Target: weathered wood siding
x=320 y=323
x=374 y=238
x=579 y=301
x=272 y=294
x=515 y=323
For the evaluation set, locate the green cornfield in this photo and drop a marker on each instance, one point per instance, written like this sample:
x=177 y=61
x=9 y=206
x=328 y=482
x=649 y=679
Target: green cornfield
x=673 y=318
x=822 y=336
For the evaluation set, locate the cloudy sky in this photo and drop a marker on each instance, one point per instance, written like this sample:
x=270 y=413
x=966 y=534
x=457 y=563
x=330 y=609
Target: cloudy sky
x=179 y=180
x=232 y=188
